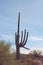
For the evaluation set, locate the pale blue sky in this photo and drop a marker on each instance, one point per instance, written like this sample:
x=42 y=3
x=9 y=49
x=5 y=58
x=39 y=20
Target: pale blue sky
x=31 y=12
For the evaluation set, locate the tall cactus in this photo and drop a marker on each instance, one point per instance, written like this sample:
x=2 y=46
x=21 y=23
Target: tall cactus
x=23 y=41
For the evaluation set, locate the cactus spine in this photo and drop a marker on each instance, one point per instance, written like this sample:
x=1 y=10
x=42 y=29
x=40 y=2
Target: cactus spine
x=23 y=41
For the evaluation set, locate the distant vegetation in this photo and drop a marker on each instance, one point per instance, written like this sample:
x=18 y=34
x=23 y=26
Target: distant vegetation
x=7 y=58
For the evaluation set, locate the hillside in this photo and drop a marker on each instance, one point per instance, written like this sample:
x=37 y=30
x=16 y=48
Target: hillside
x=8 y=58
x=29 y=59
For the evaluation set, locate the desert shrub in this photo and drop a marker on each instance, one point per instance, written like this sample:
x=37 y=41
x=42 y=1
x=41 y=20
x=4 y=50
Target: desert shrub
x=6 y=57
x=36 y=53
x=4 y=52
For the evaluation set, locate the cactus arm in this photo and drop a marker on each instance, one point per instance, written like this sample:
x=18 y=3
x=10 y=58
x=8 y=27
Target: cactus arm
x=25 y=39
x=16 y=39
x=21 y=36
x=22 y=43
x=24 y=35
x=26 y=48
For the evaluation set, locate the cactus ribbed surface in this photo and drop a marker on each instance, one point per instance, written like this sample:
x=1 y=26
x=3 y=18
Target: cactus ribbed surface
x=23 y=41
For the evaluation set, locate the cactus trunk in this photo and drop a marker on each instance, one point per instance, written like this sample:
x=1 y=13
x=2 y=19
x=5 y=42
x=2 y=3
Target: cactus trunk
x=17 y=52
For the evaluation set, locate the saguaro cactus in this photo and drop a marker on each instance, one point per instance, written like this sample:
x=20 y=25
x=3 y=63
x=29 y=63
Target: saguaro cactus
x=23 y=41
